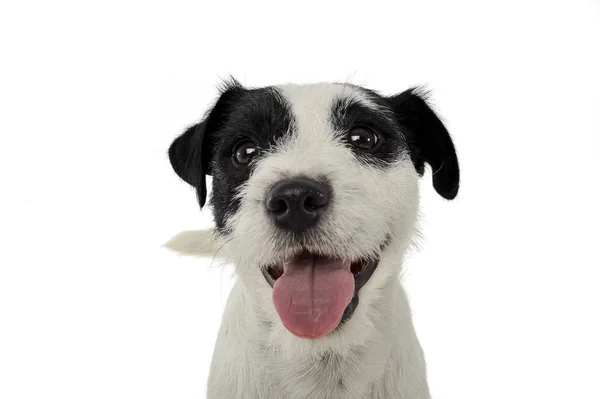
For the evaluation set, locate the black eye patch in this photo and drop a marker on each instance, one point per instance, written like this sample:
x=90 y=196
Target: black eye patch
x=347 y=114
x=261 y=117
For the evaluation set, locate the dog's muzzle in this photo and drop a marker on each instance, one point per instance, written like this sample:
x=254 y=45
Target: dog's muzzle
x=313 y=292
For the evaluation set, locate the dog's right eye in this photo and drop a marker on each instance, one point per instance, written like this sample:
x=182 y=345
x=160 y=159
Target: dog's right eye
x=244 y=152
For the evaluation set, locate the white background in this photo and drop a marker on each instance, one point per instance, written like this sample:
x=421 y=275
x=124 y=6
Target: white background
x=505 y=287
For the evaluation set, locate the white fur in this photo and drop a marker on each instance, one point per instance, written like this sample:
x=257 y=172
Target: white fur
x=376 y=353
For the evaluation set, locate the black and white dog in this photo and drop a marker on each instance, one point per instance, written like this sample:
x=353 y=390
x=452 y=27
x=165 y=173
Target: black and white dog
x=315 y=198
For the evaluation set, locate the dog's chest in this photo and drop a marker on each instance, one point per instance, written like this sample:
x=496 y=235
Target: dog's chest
x=330 y=375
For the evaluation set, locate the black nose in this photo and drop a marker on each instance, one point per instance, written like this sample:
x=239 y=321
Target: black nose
x=296 y=204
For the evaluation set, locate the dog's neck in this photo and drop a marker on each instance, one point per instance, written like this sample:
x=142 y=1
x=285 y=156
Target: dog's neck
x=305 y=373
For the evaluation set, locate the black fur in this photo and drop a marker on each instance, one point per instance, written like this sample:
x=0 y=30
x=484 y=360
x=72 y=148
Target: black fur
x=240 y=114
x=191 y=153
x=428 y=140
x=347 y=114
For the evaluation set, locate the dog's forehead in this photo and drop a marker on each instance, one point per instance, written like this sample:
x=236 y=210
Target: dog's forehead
x=316 y=101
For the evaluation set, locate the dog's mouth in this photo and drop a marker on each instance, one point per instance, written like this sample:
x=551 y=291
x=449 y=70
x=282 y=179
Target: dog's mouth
x=314 y=294
x=362 y=270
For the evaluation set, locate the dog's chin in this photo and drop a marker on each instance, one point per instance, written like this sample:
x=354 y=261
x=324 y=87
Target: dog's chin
x=361 y=270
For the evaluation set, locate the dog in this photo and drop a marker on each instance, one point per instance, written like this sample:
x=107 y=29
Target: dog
x=315 y=200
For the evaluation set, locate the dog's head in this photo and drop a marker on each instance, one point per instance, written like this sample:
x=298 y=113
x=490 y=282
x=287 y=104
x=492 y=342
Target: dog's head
x=315 y=193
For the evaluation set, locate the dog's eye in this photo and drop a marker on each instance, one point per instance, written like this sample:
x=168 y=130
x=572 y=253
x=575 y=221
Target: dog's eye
x=244 y=152
x=363 y=138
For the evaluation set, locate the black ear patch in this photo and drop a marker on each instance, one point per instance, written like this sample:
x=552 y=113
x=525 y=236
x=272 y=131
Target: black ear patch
x=191 y=153
x=428 y=140
x=185 y=155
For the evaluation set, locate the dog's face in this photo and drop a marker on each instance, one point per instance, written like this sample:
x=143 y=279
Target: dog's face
x=315 y=194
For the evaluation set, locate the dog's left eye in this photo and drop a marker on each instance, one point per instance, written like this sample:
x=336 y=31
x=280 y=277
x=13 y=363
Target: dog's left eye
x=244 y=152
x=363 y=138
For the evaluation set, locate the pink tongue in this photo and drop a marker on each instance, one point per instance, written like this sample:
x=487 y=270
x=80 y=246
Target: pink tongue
x=312 y=295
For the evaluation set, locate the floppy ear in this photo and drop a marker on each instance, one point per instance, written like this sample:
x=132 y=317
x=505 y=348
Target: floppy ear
x=191 y=153
x=185 y=154
x=428 y=140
